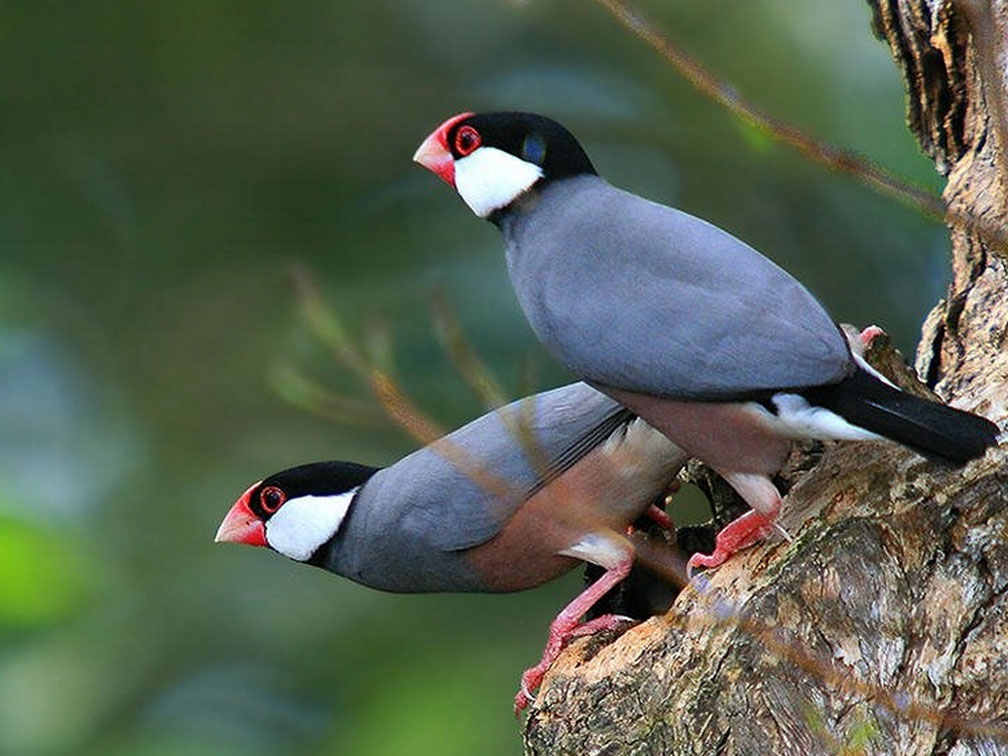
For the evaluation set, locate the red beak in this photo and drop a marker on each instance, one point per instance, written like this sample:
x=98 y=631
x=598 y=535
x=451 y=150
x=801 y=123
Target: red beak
x=241 y=524
x=434 y=154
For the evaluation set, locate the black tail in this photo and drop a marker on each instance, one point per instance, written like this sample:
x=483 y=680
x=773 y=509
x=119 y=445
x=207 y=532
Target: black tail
x=927 y=427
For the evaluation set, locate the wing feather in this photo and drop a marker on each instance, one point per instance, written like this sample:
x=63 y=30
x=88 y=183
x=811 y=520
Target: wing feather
x=632 y=294
x=460 y=491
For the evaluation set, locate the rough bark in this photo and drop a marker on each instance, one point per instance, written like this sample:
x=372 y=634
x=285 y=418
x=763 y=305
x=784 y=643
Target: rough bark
x=883 y=627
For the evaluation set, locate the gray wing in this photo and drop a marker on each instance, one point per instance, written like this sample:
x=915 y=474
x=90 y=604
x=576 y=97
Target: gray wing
x=639 y=296
x=461 y=490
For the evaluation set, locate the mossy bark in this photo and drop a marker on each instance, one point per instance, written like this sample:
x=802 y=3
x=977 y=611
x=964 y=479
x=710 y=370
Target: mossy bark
x=883 y=627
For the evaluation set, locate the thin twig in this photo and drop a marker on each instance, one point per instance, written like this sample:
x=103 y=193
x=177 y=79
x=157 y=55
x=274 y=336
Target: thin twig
x=329 y=329
x=308 y=395
x=728 y=96
x=843 y=161
x=402 y=410
x=725 y=94
x=462 y=355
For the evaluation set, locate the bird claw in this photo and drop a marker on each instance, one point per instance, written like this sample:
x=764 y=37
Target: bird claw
x=567 y=626
x=707 y=561
x=522 y=699
x=738 y=534
x=527 y=693
x=605 y=622
x=530 y=680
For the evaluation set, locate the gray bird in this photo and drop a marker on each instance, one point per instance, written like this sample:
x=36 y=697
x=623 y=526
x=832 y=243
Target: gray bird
x=690 y=328
x=507 y=502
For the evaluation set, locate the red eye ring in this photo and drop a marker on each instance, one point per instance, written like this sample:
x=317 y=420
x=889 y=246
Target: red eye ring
x=467 y=139
x=271 y=498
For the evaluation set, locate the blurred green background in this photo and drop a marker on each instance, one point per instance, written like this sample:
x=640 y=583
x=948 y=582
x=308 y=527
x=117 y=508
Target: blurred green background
x=163 y=164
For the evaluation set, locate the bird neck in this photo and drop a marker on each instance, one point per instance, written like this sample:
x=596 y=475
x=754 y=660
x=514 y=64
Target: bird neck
x=504 y=216
x=527 y=202
x=510 y=220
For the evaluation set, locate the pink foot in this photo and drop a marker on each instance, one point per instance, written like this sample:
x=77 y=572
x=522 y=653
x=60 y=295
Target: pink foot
x=738 y=534
x=567 y=625
x=532 y=678
x=869 y=334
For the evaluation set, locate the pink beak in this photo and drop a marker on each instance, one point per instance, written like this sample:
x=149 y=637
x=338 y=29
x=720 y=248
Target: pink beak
x=241 y=525
x=434 y=154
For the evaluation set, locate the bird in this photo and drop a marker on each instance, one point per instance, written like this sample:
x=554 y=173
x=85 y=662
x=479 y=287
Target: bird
x=507 y=502
x=690 y=328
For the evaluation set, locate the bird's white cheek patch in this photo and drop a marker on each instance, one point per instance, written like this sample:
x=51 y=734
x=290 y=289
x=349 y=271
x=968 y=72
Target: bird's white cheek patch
x=303 y=524
x=489 y=179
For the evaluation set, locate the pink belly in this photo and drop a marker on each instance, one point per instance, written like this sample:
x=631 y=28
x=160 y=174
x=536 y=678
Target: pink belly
x=726 y=435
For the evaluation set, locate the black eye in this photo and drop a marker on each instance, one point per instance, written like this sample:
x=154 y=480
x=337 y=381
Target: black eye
x=271 y=498
x=467 y=139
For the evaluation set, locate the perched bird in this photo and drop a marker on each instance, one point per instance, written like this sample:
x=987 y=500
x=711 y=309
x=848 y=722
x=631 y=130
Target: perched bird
x=509 y=501
x=691 y=329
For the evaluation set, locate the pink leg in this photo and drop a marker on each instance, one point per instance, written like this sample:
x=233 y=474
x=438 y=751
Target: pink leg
x=605 y=622
x=567 y=625
x=661 y=518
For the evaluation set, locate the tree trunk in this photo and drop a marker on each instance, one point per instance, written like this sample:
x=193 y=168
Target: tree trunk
x=883 y=627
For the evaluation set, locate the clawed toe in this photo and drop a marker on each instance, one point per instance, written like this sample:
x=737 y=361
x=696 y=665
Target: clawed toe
x=525 y=696
x=741 y=533
x=708 y=561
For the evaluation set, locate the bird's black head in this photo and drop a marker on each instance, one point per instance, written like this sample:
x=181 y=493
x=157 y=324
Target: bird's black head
x=297 y=510
x=493 y=158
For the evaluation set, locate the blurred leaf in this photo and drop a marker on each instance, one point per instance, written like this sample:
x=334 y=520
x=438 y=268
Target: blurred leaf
x=433 y=714
x=156 y=743
x=758 y=138
x=323 y=321
x=308 y=395
x=65 y=443
x=463 y=356
x=43 y=576
x=378 y=346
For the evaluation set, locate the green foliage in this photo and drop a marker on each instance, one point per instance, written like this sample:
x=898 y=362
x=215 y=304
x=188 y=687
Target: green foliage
x=44 y=576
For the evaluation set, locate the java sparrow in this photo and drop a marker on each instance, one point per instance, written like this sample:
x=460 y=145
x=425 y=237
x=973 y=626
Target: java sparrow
x=690 y=328
x=509 y=501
